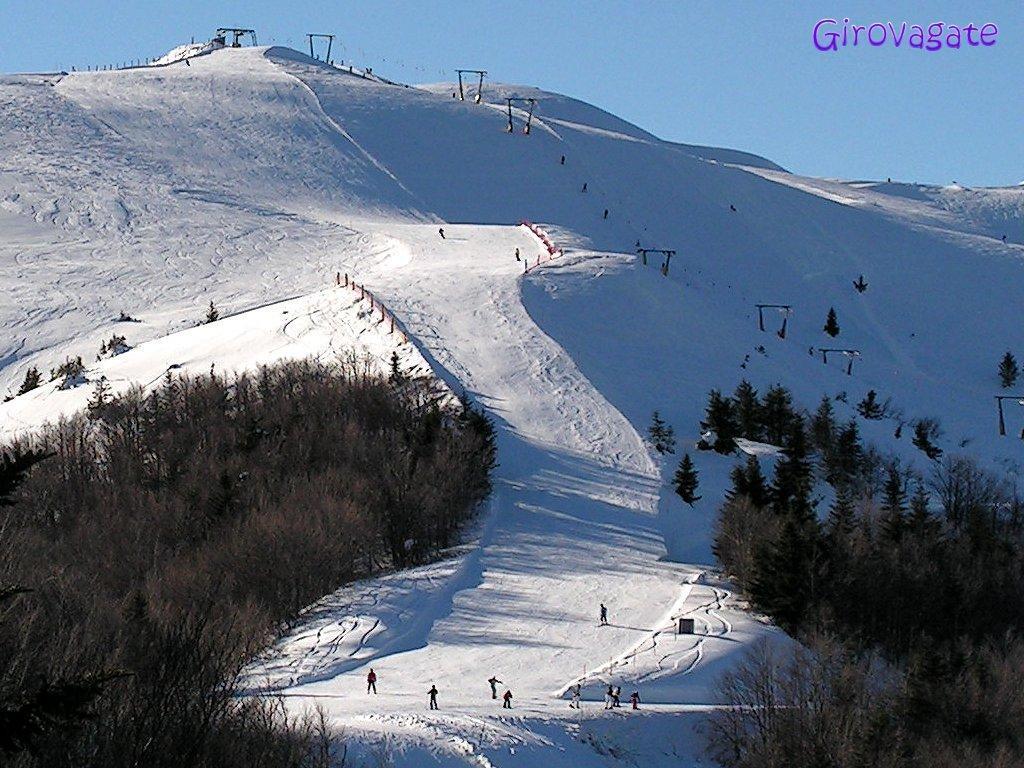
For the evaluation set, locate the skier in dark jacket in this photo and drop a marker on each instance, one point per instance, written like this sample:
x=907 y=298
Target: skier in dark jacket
x=371 y=681
x=616 y=692
x=507 y=700
x=604 y=614
x=494 y=686
x=433 y=696
x=440 y=231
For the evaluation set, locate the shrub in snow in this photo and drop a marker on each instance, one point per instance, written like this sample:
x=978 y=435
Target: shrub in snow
x=32 y=380
x=212 y=315
x=117 y=345
x=71 y=373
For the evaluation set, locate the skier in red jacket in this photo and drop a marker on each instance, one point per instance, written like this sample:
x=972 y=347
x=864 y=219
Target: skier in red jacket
x=371 y=681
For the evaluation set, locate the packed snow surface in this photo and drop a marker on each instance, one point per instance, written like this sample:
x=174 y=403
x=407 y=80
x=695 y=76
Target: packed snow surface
x=255 y=177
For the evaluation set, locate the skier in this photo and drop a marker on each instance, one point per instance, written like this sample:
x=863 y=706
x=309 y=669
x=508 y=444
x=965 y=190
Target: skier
x=606 y=213
x=604 y=615
x=440 y=231
x=608 y=697
x=584 y=187
x=508 y=700
x=563 y=159
x=575 y=703
x=616 y=692
x=494 y=690
x=634 y=699
x=517 y=255
x=433 y=696
x=732 y=208
x=371 y=682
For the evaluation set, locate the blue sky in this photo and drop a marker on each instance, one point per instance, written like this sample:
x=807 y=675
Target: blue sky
x=739 y=74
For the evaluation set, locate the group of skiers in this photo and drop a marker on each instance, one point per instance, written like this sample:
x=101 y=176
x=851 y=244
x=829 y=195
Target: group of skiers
x=611 y=697
x=371 y=687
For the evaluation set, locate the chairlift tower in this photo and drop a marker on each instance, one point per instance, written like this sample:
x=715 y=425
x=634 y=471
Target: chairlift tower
x=784 y=309
x=850 y=354
x=237 y=33
x=480 y=83
x=999 y=401
x=668 y=254
x=328 y=38
x=529 y=105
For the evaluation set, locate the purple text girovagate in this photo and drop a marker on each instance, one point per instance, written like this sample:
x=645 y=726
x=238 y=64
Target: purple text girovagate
x=831 y=35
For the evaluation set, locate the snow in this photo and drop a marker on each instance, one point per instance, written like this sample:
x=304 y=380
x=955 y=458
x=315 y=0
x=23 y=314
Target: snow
x=187 y=51
x=754 y=448
x=253 y=176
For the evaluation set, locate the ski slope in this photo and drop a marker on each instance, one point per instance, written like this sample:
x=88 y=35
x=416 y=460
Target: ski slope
x=253 y=176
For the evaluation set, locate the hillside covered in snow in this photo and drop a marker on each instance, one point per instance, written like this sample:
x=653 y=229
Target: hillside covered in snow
x=266 y=182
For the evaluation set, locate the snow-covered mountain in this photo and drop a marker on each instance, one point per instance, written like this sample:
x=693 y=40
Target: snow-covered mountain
x=254 y=177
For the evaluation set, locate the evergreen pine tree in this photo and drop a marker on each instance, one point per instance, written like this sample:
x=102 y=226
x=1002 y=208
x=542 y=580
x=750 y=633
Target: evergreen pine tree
x=1008 y=371
x=100 y=398
x=869 y=407
x=831 y=323
x=926 y=432
x=845 y=462
x=32 y=380
x=793 y=481
x=841 y=515
x=777 y=414
x=685 y=480
x=212 y=315
x=661 y=435
x=396 y=377
x=786 y=573
x=823 y=428
x=920 y=519
x=759 y=492
x=748 y=411
x=720 y=418
x=475 y=420
x=894 y=504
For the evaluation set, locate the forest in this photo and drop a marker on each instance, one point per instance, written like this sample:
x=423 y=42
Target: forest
x=906 y=595
x=151 y=545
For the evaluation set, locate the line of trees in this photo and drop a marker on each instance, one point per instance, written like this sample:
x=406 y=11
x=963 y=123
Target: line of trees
x=907 y=598
x=150 y=546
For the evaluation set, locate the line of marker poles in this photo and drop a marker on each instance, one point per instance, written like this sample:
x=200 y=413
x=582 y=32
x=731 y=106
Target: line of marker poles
x=342 y=280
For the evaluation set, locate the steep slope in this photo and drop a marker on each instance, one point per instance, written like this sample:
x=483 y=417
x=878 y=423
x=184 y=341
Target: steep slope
x=254 y=175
